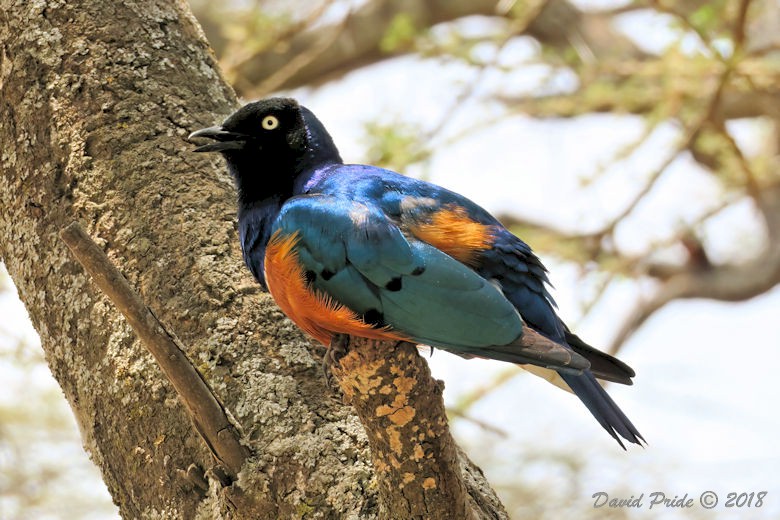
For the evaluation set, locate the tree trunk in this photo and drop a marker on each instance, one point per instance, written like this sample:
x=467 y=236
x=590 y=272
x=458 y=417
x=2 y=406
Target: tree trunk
x=96 y=99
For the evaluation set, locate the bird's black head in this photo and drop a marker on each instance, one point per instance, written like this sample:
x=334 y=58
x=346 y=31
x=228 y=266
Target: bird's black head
x=269 y=143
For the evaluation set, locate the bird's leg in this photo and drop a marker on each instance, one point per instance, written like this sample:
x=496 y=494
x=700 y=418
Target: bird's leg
x=338 y=348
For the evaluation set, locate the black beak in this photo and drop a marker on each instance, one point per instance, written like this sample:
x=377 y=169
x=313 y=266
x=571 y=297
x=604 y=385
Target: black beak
x=225 y=140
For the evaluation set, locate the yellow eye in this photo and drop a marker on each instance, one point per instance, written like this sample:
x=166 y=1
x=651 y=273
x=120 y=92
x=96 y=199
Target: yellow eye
x=270 y=122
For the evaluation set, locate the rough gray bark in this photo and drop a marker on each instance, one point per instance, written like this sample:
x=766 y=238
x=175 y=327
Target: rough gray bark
x=95 y=101
x=207 y=413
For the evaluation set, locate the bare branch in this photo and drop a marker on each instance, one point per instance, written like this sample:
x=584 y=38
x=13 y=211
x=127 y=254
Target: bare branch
x=205 y=410
x=719 y=282
x=615 y=89
x=231 y=60
x=359 y=44
x=724 y=283
x=740 y=26
x=355 y=46
x=478 y=422
x=471 y=398
x=417 y=463
x=518 y=26
x=295 y=65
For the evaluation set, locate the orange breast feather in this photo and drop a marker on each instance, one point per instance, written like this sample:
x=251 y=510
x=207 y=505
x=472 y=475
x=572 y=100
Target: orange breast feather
x=316 y=313
x=451 y=230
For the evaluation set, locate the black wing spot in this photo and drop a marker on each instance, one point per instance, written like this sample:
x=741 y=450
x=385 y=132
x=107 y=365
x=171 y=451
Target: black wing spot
x=394 y=284
x=374 y=317
x=327 y=274
x=310 y=277
x=418 y=271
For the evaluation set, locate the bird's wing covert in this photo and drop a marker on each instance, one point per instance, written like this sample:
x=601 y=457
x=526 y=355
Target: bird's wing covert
x=351 y=252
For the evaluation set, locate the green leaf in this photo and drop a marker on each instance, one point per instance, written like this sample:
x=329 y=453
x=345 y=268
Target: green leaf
x=400 y=34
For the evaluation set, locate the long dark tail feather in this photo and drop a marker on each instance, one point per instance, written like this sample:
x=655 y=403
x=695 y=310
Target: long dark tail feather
x=603 y=408
x=602 y=364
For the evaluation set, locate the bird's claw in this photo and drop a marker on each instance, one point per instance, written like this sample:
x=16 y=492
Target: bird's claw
x=339 y=347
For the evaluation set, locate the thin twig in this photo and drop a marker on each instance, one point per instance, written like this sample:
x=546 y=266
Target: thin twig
x=292 y=67
x=689 y=138
x=281 y=38
x=587 y=306
x=623 y=152
x=518 y=26
x=740 y=26
x=478 y=422
x=686 y=22
x=207 y=413
x=669 y=291
x=471 y=398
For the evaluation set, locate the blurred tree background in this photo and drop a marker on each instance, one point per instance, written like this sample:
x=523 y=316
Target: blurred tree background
x=662 y=123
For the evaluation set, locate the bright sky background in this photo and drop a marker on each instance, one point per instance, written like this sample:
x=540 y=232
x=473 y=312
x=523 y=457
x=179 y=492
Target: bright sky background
x=706 y=392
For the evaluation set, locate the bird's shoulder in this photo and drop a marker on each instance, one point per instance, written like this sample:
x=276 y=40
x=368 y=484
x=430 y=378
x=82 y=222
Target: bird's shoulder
x=442 y=218
x=459 y=227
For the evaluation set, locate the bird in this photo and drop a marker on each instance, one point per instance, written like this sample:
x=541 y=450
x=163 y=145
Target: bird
x=359 y=250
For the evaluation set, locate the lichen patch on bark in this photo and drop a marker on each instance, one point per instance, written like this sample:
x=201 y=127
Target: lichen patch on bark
x=363 y=378
x=402 y=409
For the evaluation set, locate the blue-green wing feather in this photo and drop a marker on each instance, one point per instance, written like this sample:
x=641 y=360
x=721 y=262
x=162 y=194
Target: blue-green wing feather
x=448 y=305
x=356 y=255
